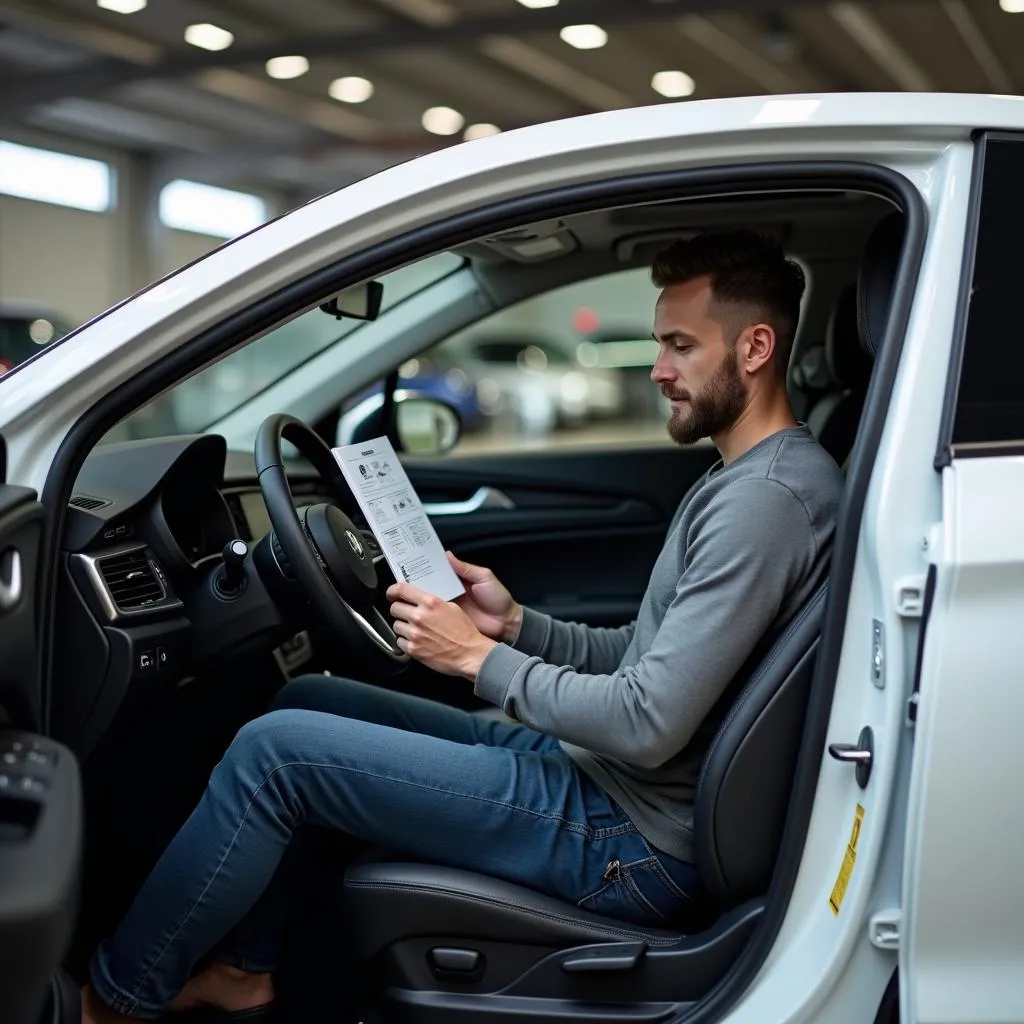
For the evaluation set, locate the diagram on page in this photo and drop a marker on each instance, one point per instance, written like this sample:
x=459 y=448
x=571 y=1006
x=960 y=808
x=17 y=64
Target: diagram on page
x=392 y=507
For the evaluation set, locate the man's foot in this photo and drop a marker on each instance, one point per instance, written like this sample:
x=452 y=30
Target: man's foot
x=225 y=988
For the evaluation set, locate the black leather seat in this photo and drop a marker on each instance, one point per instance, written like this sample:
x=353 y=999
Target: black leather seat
x=494 y=935
x=457 y=945
x=834 y=418
x=856 y=326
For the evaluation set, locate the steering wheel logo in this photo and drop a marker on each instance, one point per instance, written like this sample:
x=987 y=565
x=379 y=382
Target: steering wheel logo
x=354 y=543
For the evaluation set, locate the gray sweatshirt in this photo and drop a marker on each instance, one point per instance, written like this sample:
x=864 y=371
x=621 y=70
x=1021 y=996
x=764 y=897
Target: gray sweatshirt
x=633 y=706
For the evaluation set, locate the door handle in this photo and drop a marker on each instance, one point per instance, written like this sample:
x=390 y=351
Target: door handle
x=860 y=754
x=482 y=498
x=10 y=579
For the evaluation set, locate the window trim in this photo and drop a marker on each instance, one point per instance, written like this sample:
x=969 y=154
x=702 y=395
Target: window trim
x=947 y=450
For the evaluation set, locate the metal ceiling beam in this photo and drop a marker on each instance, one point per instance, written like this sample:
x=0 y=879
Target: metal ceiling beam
x=28 y=91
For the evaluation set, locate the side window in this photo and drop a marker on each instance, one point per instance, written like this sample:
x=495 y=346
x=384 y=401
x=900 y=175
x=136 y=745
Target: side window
x=990 y=400
x=567 y=368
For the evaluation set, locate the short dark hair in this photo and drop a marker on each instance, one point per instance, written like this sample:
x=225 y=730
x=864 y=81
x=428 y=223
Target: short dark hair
x=747 y=270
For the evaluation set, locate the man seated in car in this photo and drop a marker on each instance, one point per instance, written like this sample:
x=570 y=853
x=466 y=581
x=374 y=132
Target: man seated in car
x=590 y=798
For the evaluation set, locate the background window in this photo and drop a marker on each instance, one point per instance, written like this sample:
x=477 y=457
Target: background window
x=990 y=401
x=50 y=177
x=209 y=210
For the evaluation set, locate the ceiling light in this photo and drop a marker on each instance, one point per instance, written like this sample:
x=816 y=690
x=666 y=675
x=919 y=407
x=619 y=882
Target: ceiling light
x=442 y=120
x=1012 y=6
x=208 y=37
x=584 y=37
x=122 y=6
x=350 y=89
x=673 y=84
x=535 y=4
x=287 y=67
x=480 y=131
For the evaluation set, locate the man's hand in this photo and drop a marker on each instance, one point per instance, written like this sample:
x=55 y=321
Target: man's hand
x=487 y=602
x=437 y=633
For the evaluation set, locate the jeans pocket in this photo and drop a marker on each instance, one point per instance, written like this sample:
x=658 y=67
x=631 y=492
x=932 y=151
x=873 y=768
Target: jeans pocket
x=636 y=893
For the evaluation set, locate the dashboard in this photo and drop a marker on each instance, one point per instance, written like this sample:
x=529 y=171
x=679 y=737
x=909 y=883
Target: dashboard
x=138 y=608
x=185 y=496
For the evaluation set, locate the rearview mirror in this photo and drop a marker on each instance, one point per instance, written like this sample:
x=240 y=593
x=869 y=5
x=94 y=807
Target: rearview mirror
x=361 y=302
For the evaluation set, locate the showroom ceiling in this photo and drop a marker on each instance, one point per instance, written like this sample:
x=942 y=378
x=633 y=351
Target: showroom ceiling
x=306 y=95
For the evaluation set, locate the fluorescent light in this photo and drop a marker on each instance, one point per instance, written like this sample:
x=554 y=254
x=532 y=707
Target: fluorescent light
x=351 y=89
x=584 y=37
x=480 y=131
x=287 y=67
x=536 y=4
x=208 y=37
x=673 y=84
x=442 y=120
x=1012 y=6
x=58 y=178
x=122 y=6
x=209 y=210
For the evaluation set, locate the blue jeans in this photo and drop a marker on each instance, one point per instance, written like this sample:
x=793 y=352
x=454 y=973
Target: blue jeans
x=429 y=781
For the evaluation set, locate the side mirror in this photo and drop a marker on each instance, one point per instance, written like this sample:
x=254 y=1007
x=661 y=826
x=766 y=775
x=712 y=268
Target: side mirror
x=425 y=426
x=359 y=303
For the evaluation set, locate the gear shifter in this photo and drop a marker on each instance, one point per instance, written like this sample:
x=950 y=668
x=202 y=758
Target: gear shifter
x=231 y=578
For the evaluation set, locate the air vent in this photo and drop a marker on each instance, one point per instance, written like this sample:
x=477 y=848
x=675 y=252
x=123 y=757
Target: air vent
x=89 y=504
x=234 y=502
x=131 y=580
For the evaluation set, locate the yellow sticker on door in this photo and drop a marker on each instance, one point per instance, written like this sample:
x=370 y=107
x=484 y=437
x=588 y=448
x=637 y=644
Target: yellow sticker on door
x=835 y=901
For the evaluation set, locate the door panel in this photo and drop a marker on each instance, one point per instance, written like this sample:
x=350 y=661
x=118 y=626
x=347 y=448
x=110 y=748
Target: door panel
x=963 y=955
x=571 y=533
x=40 y=800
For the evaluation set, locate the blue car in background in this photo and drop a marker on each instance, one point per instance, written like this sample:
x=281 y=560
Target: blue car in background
x=425 y=375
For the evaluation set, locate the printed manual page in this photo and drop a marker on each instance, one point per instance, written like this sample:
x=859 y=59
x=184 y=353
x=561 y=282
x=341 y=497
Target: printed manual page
x=393 y=510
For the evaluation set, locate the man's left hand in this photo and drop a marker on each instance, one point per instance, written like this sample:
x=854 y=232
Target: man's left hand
x=437 y=633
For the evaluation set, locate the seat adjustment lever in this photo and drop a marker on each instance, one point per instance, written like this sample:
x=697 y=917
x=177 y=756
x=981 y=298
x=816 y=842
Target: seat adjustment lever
x=608 y=956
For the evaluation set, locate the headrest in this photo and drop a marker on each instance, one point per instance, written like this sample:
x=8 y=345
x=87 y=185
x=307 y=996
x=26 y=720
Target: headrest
x=812 y=371
x=876 y=279
x=848 y=363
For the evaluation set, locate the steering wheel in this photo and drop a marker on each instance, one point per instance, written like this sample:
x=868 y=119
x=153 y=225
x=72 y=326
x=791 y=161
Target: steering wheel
x=319 y=546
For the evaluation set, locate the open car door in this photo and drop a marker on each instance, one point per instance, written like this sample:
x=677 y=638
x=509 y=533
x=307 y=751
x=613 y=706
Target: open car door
x=962 y=932
x=40 y=799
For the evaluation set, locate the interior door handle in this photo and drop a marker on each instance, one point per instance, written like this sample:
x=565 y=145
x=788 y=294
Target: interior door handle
x=10 y=579
x=482 y=498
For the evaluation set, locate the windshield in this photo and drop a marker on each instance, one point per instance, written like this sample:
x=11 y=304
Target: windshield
x=194 y=404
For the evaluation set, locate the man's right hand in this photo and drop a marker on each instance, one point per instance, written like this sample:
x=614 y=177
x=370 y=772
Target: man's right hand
x=487 y=601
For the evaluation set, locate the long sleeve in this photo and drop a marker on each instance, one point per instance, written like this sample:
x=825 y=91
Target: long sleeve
x=585 y=648
x=724 y=584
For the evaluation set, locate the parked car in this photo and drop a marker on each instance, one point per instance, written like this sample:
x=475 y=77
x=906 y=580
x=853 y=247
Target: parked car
x=25 y=328
x=854 y=821
x=532 y=377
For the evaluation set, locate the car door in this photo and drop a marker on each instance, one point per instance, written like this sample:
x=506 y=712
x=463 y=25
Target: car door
x=962 y=931
x=40 y=803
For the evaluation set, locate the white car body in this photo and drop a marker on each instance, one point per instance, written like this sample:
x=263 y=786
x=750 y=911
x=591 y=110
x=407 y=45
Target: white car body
x=935 y=883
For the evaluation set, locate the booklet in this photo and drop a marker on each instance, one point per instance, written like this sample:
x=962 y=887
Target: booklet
x=393 y=510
